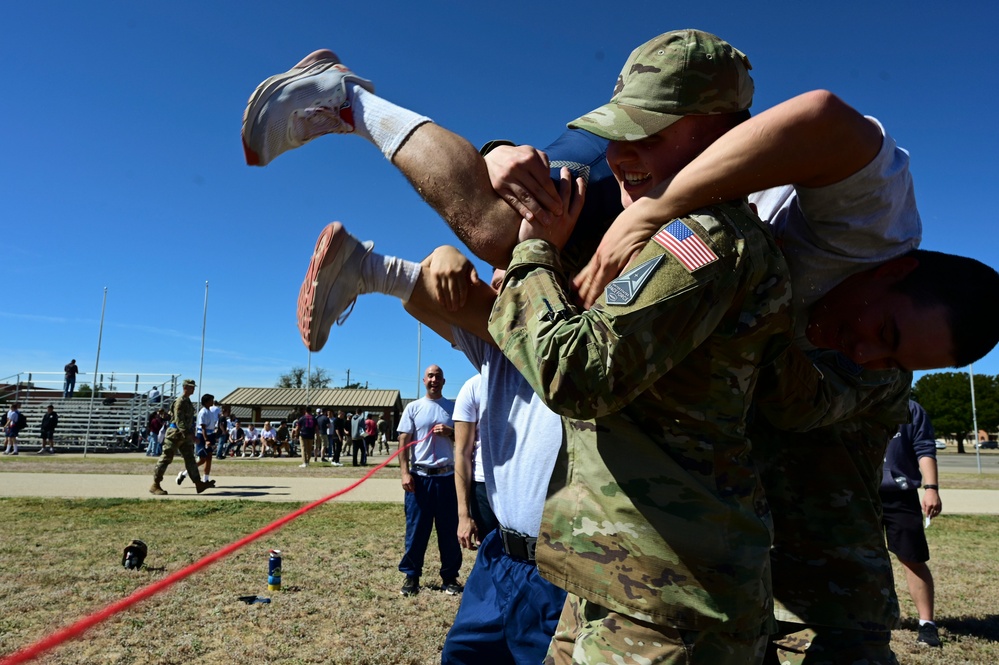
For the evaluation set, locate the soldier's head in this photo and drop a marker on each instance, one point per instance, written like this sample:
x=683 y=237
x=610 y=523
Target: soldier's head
x=433 y=380
x=675 y=96
x=189 y=387
x=924 y=310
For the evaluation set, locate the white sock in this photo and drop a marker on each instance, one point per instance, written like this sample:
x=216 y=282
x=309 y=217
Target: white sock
x=389 y=274
x=382 y=122
x=183 y=473
x=923 y=622
x=205 y=478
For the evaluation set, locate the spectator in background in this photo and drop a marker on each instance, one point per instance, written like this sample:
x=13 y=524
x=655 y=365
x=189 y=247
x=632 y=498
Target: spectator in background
x=70 y=383
x=237 y=437
x=283 y=440
x=370 y=433
x=221 y=429
x=357 y=439
x=305 y=432
x=11 y=427
x=251 y=438
x=49 y=422
x=911 y=461
x=323 y=422
x=382 y=426
x=340 y=426
x=153 y=426
x=154 y=395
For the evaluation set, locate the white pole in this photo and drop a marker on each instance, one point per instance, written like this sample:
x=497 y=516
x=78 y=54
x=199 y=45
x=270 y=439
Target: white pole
x=204 y=325
x=974 y=417
x=419 y=364
x=308 y=380
x=97 y=364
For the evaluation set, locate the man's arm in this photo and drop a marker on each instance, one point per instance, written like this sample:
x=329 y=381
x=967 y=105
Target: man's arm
x=407 y=477
x=932 y=505
x=464 y=446
x=812 y=140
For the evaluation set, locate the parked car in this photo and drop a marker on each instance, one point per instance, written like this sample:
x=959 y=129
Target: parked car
x=941 y=445
x=987 y=445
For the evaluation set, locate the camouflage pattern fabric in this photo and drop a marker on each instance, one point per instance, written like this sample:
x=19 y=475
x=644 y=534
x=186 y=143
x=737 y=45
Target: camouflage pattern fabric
x=655 y=509
x=830 y=564
x=179 y=439
x=796 y=645
x=587 y=633
x=679 y=73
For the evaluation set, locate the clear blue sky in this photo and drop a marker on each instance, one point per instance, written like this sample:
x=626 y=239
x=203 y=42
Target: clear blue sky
x=123 y=167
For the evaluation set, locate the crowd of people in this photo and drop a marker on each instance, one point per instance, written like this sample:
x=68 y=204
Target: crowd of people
x=698 y=342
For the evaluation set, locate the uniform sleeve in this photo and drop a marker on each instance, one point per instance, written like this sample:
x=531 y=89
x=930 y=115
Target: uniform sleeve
x=923 y=437
x=586 y=364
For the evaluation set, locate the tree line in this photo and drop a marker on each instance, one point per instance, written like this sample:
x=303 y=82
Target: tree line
x=946 y=396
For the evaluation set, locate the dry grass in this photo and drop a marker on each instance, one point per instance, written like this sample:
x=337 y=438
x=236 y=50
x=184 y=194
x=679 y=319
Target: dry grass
x=340 y=602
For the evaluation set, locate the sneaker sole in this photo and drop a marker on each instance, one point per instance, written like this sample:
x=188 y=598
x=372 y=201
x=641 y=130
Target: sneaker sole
x=314 y=63
x=328 y=243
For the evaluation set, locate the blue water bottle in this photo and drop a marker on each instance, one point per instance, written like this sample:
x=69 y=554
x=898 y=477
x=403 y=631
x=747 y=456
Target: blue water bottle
x=274 y=571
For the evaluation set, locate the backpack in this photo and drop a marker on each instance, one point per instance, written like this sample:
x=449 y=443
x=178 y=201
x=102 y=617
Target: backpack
x=21 y=423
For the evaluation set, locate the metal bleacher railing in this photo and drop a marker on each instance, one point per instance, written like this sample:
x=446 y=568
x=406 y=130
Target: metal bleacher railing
x=108 y=419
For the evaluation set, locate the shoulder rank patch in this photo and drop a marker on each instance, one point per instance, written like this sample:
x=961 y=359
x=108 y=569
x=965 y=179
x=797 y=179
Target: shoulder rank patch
x=624 y=289
x=677 y=238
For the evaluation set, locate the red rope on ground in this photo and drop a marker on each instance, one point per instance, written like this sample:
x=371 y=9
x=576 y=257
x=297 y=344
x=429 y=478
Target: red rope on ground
x=55 y=639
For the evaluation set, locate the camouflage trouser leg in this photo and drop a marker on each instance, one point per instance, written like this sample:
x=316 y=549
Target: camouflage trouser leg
x=797 y=644
x=589 y=633
x=171 y=446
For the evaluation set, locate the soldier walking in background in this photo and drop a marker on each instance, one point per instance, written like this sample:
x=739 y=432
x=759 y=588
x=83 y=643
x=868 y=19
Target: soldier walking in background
x=180 y=437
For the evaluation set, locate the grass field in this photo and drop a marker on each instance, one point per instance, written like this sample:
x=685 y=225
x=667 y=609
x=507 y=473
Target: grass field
x=340 y=602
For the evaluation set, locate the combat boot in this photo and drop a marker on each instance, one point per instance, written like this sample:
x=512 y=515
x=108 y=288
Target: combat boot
x=201 y=485
x=156 y=489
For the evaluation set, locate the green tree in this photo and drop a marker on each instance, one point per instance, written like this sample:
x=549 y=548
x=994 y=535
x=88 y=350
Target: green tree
x=295 y=378
x=946 y=396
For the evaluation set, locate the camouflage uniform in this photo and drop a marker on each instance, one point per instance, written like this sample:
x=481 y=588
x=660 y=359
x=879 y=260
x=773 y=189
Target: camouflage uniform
x=655 y=510
x=179 y=437
x=834 y=593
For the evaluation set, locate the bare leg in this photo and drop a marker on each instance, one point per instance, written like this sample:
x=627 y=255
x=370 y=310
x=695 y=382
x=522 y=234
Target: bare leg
x=920 y=581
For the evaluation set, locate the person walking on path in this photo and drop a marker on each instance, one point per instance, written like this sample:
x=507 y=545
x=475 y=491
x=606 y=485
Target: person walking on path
x=70 y=382
x=180 y=437
x=49 y=422
x=13 y=425
x=382 y=427
x=206 y=437
x=911 y=462
x=305 y=430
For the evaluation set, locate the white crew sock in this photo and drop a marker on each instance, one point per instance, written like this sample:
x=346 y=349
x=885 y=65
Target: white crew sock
x=923 y=622
x=382 y=122
x=388 y=274
x=183 y=473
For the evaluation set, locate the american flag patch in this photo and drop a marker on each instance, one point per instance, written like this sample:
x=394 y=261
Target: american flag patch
x=685 y=245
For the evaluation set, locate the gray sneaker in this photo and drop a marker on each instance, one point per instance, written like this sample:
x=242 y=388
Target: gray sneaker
x=331 y=284
x=290 y=109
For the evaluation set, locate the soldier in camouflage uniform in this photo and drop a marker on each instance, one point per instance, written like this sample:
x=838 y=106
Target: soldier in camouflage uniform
x=180 y=437
x=656 y=522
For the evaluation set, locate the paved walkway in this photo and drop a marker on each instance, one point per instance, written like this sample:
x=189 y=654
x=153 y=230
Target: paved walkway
x=290 y=488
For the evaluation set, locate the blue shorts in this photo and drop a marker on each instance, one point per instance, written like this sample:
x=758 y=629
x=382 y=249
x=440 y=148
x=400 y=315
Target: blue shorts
x=203 y=449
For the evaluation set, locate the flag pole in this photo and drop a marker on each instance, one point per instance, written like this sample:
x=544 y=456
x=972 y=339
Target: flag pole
x=97 y=364
x=204 y=326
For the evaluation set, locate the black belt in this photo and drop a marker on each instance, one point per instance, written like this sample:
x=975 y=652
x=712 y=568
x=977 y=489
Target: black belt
x=432 y=470
x=518 y=545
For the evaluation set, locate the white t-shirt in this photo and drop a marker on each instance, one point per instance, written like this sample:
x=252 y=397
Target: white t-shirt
x=521 y=437
x=268 y=434
x=418 y=418
x=252 y=434
x=466 y=409
x=829 y=233
x=207 y=421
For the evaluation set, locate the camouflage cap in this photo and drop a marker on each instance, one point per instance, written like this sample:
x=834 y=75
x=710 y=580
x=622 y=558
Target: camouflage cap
x=679 y=73
x=189 y=382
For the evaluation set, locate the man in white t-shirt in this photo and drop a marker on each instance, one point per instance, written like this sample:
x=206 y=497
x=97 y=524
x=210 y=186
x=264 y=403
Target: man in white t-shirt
x=427 y=479
x=475 y=517
x=206 y=436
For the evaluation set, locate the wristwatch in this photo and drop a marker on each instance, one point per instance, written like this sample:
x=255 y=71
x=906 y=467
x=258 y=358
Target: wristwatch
x=931 y=487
